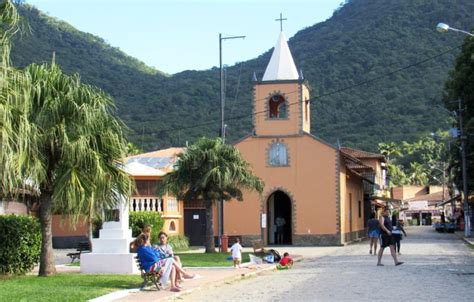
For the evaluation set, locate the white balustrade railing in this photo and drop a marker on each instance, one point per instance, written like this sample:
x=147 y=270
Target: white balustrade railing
x=146 y=204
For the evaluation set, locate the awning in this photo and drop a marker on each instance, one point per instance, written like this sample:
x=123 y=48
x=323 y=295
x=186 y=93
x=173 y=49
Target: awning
x=433 y=212
x=449 y=201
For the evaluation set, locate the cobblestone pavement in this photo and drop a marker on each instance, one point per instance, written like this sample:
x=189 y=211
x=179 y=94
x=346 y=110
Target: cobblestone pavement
x=438 y=267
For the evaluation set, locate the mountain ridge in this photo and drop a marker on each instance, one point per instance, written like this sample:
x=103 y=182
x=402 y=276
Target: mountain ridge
x=362 y=40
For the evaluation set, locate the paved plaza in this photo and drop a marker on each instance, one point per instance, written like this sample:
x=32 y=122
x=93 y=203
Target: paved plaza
x=438 y=267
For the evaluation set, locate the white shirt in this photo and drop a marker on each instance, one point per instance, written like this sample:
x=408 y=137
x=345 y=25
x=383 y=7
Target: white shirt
x=236 y=250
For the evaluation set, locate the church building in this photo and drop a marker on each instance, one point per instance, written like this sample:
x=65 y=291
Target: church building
x=314 y=191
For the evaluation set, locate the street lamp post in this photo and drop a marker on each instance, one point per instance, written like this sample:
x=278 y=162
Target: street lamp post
x=462 y=136
x=220 y=206
x=442 y=28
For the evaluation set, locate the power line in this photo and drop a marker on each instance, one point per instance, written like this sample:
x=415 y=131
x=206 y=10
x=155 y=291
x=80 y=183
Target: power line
x=312 y=99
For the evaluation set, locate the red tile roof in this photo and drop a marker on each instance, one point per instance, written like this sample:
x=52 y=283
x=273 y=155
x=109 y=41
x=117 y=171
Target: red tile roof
x=437 y=196
x=361 y=154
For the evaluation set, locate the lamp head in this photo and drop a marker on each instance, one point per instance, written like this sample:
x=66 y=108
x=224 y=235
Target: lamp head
x=442 y=27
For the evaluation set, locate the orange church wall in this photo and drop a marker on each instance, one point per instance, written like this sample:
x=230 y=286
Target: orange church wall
x=351 y=189
x=310 y=181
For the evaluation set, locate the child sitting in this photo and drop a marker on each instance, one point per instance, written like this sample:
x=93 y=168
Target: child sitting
x=236 y=251
x=286 y=262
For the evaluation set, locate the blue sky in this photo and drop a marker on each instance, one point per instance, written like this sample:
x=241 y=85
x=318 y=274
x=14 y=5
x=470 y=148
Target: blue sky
x=177 y=35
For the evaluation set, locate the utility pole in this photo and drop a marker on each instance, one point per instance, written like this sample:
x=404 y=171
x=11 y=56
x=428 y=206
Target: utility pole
x=462 y=136
x=220 y=206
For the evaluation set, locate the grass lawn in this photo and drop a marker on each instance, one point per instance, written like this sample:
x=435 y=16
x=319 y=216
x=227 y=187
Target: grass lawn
x=206 y=260
x=63 y=287
x=199 y=260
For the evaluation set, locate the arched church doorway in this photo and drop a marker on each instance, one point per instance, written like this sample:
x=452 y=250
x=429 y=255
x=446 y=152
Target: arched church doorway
x=279 y=218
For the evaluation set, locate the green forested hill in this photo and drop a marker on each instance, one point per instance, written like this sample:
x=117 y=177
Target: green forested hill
x=363 y=40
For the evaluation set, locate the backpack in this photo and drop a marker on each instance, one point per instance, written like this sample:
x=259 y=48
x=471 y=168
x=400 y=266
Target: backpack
x=276 y=255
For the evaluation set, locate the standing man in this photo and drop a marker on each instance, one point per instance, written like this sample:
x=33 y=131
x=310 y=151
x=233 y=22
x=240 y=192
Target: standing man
x=280 y=224
x=386 y=239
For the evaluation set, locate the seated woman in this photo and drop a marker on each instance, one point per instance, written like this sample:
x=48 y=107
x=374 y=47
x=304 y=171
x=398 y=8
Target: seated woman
x=151 y=261
x=167 y=251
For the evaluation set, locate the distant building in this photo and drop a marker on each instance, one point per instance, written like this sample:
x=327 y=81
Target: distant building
x=420 y=204
x=147 y=170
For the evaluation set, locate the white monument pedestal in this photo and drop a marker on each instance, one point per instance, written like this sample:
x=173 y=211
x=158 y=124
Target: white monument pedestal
x=110 y=252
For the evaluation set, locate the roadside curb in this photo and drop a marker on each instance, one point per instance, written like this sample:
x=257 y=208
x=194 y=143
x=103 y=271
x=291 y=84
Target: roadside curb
x=469 y=241
x=217 y=283
x=225 y=280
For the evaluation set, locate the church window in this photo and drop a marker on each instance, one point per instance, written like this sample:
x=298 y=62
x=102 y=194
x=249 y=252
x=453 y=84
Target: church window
x=277 y=106
x=278 y=154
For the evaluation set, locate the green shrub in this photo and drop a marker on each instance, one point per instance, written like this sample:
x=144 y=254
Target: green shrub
x=179 y=242
x=20 y=244
x=139 y=219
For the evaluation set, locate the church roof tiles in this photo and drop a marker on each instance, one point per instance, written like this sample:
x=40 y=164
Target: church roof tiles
x=361 y=154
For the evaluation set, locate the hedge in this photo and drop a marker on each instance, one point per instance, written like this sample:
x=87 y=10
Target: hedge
x=179 y=242
x=20 y=247
x=139 y=219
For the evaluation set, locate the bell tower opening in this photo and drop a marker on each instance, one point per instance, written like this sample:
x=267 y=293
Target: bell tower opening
x=277 y=107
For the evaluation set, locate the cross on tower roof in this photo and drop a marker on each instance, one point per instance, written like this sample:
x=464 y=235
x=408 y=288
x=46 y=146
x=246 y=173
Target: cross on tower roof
x=281 y=21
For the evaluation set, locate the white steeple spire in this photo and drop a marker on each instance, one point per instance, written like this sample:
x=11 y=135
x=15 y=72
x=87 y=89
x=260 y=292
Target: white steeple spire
x=281 y=65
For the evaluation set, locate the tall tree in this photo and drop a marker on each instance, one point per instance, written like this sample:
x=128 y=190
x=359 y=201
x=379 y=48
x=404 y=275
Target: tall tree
x=421 y=162
x=208 y=171
x=12 y=92
x=73 y=149
x=59 y=137
x=460 y=86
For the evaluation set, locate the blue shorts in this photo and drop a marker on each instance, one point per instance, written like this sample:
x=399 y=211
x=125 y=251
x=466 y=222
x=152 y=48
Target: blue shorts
x=374 y=234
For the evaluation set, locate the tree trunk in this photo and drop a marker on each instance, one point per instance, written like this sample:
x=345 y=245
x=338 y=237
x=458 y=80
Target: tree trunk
x=210 y=244
x=47 y=255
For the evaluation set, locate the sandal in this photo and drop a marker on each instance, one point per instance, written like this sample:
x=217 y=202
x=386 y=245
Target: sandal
x=398 y=263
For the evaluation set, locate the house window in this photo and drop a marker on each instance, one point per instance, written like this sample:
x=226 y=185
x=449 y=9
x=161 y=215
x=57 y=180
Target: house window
x=277 y=106
x=278 y=154
x=146 y=187
x=360 y=209
x=172 y=205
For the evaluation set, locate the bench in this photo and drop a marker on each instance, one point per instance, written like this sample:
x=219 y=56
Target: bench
x=154 y=277
x=258 y=248
x=83 y=247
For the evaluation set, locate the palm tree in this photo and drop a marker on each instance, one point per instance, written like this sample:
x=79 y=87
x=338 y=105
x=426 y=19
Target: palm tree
x=69 y=145
x=209 y=171
x=12 y=89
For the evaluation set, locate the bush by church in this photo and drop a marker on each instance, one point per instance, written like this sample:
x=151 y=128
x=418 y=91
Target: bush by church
x=139 y=219
x=20 y=246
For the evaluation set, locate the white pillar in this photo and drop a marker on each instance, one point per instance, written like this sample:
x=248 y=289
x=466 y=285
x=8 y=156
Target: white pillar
x=111 y=251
